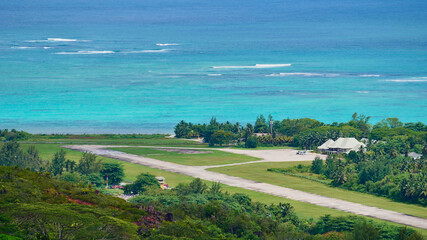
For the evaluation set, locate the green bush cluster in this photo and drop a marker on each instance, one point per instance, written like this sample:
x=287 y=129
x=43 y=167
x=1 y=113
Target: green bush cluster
x=143 y=182
x=13 y=135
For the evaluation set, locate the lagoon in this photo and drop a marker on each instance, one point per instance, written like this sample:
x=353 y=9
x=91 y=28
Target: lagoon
x=140 y=67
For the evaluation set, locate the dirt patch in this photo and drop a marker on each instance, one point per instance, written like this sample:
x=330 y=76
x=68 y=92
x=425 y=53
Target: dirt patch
x=184 y=151
x=79 y=201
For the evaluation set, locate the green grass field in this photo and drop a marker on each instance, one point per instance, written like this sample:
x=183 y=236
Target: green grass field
x=109 y=139
x=258 y=172
x=46 y=151
x=214 y=157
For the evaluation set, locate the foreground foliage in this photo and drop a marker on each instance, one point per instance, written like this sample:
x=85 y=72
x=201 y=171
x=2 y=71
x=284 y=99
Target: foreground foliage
x=33 y=205
x=202 y=212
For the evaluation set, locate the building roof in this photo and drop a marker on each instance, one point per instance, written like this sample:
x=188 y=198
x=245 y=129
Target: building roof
x=261 y=134
x=347 y=143
x=414 y=155
x=160 y=179
x=326 y=144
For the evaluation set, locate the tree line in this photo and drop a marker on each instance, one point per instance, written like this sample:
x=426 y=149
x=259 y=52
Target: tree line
x=13 y=135
x=305 y=132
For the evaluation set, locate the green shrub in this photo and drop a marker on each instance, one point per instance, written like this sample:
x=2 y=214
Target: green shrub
x=251 y=142
x=317 y=165
x=142 y=183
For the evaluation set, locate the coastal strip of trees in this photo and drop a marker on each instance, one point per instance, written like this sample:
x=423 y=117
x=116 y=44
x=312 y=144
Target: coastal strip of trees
x=305 y=132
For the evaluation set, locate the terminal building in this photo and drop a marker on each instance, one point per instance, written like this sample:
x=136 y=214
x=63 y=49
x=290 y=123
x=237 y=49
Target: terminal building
x=341 y=145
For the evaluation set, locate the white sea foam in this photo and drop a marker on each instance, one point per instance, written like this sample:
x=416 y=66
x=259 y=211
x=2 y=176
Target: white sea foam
x=151 y=51
x=332 y=75
x=62 y=40
x=294 y=74
x=303 y=74
x=23 y=47
x=369 y=75
x=57 y=40
x=408 y=80
x=16 y=47
x=255 y=66
x=85 y=52
x=214 y=74
x=167 y=44
x=362 y=92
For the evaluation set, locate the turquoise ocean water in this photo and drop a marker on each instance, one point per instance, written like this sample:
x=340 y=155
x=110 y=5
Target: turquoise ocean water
x=141 y=66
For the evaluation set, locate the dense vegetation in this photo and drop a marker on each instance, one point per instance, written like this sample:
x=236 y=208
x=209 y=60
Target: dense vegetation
x=89 y=170
x=36 y=206
x=381 y=170
x=202 y=212
x=305 y=133
x=33 y=205
x=377 y=171
x=13 y=135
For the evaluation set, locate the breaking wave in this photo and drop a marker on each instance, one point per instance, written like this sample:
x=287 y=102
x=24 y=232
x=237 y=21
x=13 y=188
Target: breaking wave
x=58 y=40
x=303 y=74
x=418 y=79
x=407 y=80
x=167 y=44
x=22 y=47
x=151 y=51
x=62 y=40
x=369 y=75
x=85 y=52
x=254 y=66
x=214 y=74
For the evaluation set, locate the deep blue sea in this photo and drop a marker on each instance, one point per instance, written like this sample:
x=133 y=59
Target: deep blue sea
x=109 y=66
